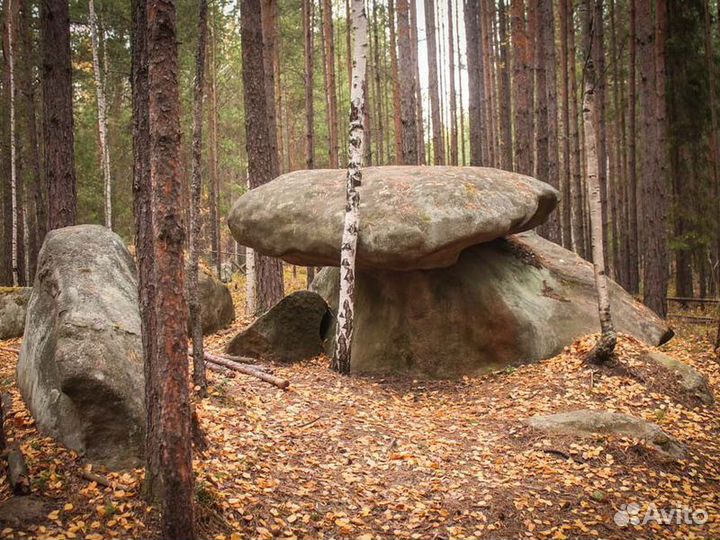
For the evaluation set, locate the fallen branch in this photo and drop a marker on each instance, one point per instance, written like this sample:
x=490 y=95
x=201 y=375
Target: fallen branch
x=219 y=369
x=100 y=480
x=247 y=370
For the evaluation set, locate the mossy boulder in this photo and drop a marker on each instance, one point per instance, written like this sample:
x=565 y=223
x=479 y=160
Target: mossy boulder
x=13 y=307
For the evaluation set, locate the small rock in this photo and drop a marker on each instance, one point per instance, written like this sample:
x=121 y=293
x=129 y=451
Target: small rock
x=13 y=307
x=216 y=305
x=691 y=380
x=20 y=511
x=289 y=332
x=586 y=422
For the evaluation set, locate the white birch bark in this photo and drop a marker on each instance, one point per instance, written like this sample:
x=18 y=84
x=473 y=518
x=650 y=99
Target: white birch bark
x=250 y=305
x=102 y=112
x=13 y=149
x=348 y=248
x=605 y=346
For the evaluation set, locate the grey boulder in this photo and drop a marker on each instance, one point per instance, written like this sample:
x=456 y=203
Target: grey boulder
x=689 y=379
x=585 y=422
x=289 y=332
x=505 y=302
x=80 y=369
x=216 y=304
x=411 y=217
x=13 y=306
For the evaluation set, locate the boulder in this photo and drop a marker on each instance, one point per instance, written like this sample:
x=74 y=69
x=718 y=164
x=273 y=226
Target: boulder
x=690 y=380
x=289 y=332
x=411 y=217
x=18 y=512
x=80 y=369
x=505 y=302
x=216 y=304
x=587 y=422
x=13 y=306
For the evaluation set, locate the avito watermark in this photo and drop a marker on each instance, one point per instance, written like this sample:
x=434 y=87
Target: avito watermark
x=633 y=514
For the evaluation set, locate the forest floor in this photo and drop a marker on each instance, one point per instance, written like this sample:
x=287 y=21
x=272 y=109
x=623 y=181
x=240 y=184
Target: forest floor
x=360 y=457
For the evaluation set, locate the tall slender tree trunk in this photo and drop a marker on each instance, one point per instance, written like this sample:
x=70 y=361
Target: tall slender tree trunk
x=169 y=362
x=37 y=200
x=331 y=91
x=269 y=45
x=603 y=350
x=145 y=241
x=196 y=329
x=344 y=335
x=213 y=176
x=10 y=64
x=309 y=33
x=453 y=97
x=504 y=90
x=633 y=229
x=600 y=117
x=565 y=179
x=408 y=92
x=268 y=270
x=714 y=134
x=102 y=113
x=653 y=183
x=58 y=133
x=475 y=82
x=576 y=186
x=437 y=127
x=419 y=121
x=460 y=85
x=489 y=107
x=397 y=111
x=522 y=89
x=378 y=87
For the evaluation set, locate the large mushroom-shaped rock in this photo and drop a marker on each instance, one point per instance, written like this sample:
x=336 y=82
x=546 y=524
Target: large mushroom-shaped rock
x=216 y=305
x=288 y=332
x=505 y=302
x=586 y=422
x=13 y=306
x=411 y=217
x=80 y=369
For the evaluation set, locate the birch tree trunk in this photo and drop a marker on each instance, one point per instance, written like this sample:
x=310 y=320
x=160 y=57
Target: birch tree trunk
x=13 y=146
x=603 y=350
x=199 y=379
x=348 y=248
x=102 y=112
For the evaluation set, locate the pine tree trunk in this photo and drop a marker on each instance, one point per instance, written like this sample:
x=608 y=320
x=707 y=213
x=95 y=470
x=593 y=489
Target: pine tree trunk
x=213 y=176
x=343 y=349
x=169 y=363
x=504 y=89
x=453 y=98
x=633 y=229
x=475 y=82
x=522 y=89
x=58 y=133
x=378 y=88
x=565 y=179
x=397 y=111
x=309 y=33
x=269 y=276
x=408 y=92
x=102 y=113
x=653 y=183
x=605 y=346
x=196 y=330
x=331 y=91
x=576 y=185
x=438 y=144
x=489 y=107
x=269 y=46
x=460 y=86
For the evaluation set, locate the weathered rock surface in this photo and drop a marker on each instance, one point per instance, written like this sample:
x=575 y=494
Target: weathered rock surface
x=289 y=332
x=19 y=511
x=80 y=369
x=13 y=306
x=412 y=217
x=586 y=422
x=690 y=380
x=506 y=302
x=216 y=305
